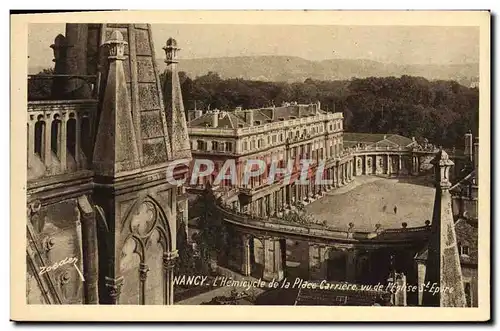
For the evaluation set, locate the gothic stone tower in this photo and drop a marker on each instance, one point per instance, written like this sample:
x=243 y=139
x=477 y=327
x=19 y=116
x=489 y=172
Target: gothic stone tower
x=443 y=262
x=136 y=205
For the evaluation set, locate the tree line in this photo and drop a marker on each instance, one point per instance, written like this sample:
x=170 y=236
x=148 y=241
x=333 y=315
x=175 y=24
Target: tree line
x=441 y=111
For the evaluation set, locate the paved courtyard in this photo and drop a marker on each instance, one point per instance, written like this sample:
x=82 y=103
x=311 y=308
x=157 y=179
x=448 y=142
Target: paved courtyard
x=369 y=200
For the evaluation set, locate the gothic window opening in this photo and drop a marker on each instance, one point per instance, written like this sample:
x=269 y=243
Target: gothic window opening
x=71 y=137
x=55 y=134
x=39 y=138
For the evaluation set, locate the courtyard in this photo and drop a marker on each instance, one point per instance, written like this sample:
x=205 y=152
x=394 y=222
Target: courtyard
x=369 y=200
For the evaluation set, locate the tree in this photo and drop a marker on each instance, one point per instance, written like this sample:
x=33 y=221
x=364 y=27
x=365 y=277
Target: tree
x=40 y=89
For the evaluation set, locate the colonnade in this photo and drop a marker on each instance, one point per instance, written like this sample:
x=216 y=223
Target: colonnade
x=54 y=136
x=286 y=196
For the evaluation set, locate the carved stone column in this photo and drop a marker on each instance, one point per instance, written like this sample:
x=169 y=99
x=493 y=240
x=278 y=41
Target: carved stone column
x=245 y=265
x=351 y=265
x=90 y=257
x=62 y=141
x=114 y=286
x=48 y=150
x=168 y=269
x=143 y=276
x=272 y=260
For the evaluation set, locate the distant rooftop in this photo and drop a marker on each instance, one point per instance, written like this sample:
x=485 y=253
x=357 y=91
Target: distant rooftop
x=241 y=118
x=467 y=239
x=376 y=140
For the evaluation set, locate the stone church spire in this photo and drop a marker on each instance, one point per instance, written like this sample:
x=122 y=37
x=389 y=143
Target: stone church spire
x=116 y=146
x=174 y=106
x=443 y=262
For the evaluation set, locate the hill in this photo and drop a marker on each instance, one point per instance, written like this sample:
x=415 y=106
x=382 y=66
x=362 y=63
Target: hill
x=293 y=69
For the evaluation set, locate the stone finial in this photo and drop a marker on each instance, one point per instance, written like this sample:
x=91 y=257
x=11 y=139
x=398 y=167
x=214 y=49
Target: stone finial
x=59 y=47
x=116 y=46
x=171 y=50
x=442 y=164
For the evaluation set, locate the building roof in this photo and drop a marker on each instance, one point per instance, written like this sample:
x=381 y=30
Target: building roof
x=334 y=297
x=467 y=235
x=237 y=118
x=226 y=120
x=376 y=139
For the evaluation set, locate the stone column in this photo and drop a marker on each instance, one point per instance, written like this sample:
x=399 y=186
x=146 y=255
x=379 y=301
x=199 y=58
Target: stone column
x=351 y=266
x=400 y=166
x=317 y=262
x=245 y=265
x=273 y=268
x=31 y=139
x=48 y=148
x=62 y=141
x=90 y=259
x=143 y=276
x=388 y=165
x=168 y=269
x=421 y=280
x=114 y=286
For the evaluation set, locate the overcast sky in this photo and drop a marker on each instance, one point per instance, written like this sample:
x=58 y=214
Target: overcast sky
x=393 y=44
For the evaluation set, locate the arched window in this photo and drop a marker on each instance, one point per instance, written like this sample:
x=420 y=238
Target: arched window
x=55 y=136
x=40 y=137
x=71 y=137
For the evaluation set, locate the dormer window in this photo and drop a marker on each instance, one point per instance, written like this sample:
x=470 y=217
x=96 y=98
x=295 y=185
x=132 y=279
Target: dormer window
x=256 y=123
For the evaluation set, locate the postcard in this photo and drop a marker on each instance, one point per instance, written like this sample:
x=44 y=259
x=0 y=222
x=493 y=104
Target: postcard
x=266 y=165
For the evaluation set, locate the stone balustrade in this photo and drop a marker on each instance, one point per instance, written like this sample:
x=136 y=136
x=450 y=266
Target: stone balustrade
x=59 y=136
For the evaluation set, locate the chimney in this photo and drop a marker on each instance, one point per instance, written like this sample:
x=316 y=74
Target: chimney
x=249 y=117
x=385 y=136
x=198 y=113
x=468 y=146
x=215 y=119
x=319 y=105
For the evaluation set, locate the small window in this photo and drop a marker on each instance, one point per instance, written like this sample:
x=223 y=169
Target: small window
x=229 y=147
x=281 y=119
x=256 y=123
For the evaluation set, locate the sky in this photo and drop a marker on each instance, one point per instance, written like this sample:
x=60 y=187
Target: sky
x=390 y=44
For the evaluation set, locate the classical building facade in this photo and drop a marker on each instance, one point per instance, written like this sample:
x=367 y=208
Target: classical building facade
x=265 y=244
x=99 y=144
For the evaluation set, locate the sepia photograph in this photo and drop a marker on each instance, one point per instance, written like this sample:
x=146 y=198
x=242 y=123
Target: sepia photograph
x=299 y=163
